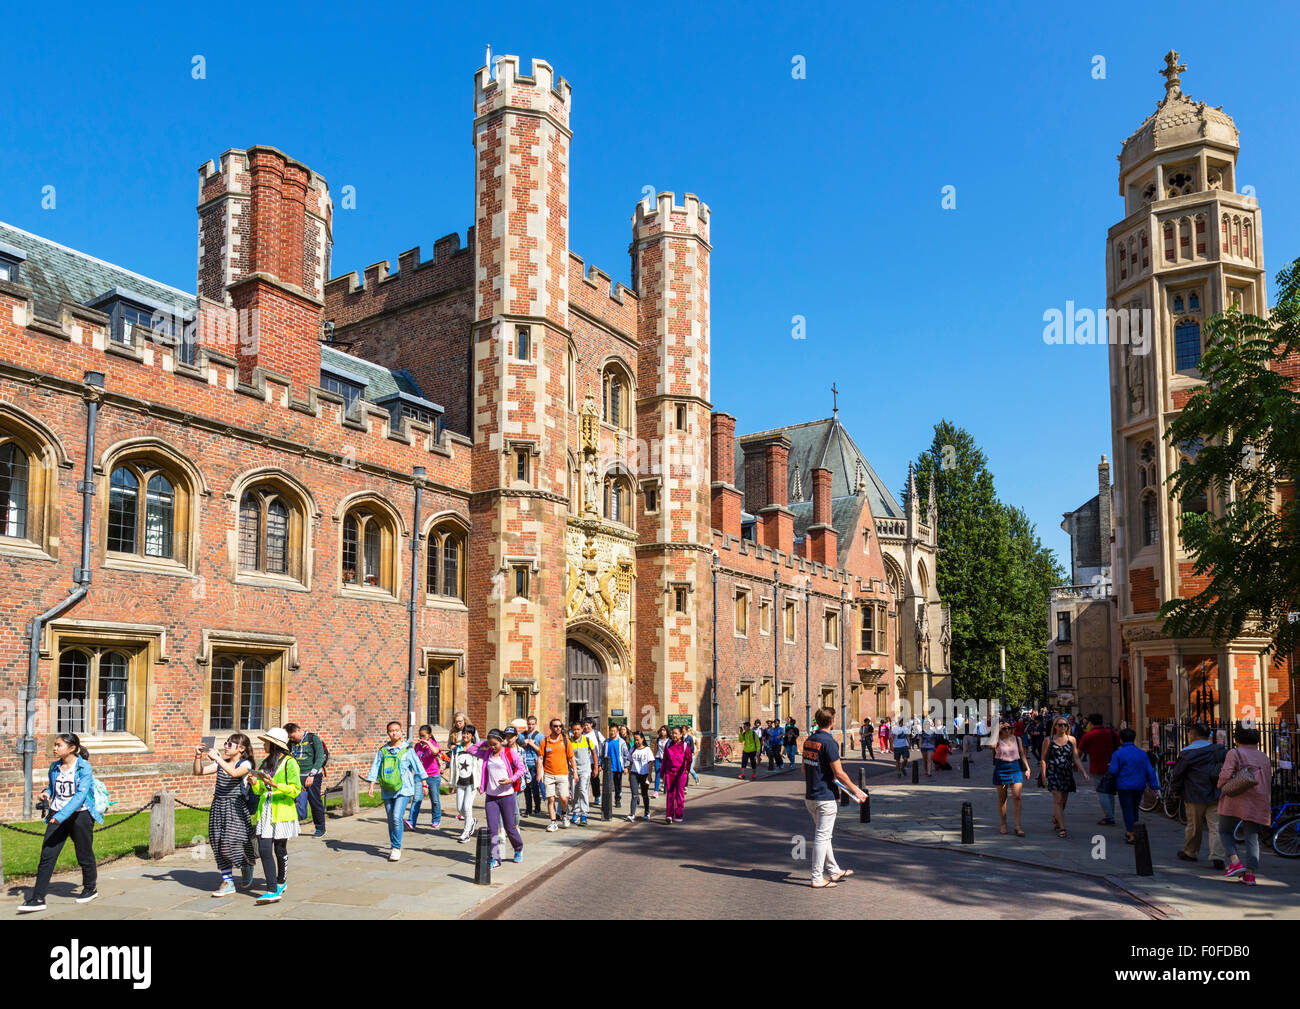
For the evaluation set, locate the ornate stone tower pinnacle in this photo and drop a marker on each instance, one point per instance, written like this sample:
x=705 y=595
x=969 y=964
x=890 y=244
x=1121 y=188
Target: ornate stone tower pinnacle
x=1170 y=73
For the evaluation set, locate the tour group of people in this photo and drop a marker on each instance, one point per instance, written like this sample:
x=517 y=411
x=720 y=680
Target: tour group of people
x=258 y=804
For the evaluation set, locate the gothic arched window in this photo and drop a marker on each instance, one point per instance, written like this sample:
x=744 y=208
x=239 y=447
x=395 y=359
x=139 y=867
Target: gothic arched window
x=147 y=509
x=270 y=531
x=1187 y=345
x=1150 y=521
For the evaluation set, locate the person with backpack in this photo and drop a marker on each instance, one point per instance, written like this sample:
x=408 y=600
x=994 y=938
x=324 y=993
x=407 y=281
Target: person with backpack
x=868 y=732
x=1097 y=745
x=749 y=747
x=555 y=761
x=464 y=775
x=501 y=772
x=530 y=745
x=275 y=784
x=616 y=754
x=396 y=769
x=1244 y=782
x=230 y=828
x=585 y=764
x=312 y=755
x=73 y=812
x=430 y=755
x=791 y=742
x=1195 y=778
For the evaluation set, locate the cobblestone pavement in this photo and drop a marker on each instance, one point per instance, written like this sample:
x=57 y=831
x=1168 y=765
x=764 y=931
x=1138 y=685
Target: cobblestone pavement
x=345 y=875
x=736 y=857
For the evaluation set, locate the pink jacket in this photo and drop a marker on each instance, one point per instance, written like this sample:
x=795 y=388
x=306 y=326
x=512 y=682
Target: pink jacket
x=677 y=759
x=1252 y=804
x=515 y=762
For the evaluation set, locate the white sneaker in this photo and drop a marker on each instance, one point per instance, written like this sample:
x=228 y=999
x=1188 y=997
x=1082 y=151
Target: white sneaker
x=395 y=855
x=551 y=827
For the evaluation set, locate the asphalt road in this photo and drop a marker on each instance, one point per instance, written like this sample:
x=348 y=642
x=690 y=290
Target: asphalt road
x=738 y=856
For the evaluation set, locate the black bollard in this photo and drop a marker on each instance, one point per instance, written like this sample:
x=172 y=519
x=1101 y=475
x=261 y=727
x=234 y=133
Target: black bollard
x=1142 y=850
x=916 y=773
x=606 y=793
x=965 y=767
x=864 y=808
x=483 y=858
x=967 y=824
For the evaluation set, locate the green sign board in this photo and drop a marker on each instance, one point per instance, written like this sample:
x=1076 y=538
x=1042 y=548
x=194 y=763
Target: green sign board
x=681 y=721
x=618 y=720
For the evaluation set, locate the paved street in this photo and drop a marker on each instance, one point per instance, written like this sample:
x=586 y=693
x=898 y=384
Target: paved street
x=345 y=876
x=735 y=853
x=733 y=858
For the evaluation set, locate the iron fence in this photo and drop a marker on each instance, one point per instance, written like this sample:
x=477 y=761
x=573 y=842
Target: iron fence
x=1276 y=738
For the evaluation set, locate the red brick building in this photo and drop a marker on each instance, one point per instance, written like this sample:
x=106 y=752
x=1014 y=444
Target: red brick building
x=492 y=466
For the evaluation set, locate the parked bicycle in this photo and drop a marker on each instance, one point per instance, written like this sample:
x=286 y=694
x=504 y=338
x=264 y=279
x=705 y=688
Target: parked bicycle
x=722 y=751
x=1284 y=828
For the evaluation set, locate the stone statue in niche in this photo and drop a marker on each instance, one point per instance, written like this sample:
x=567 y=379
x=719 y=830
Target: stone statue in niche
x=1136 y=383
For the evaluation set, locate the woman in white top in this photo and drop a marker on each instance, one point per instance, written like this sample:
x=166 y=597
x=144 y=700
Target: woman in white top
x=639 y=764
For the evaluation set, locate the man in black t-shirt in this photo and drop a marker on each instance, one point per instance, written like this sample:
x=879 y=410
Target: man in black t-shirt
x=823 y=775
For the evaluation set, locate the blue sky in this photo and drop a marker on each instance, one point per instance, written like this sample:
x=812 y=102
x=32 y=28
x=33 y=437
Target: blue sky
x=825 y=191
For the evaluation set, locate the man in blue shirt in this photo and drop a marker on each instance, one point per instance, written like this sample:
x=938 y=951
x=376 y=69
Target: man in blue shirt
x=616 y=753
x=823 y=776
x=530 y=743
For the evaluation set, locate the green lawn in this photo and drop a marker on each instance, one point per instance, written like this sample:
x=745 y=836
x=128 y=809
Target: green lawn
x=22 y=853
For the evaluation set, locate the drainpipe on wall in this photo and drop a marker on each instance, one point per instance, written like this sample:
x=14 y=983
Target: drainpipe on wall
x=717 y=729
x=807 y=656
x=418 y=473
x=94 y=381
x=776 y=645
x=844 y=647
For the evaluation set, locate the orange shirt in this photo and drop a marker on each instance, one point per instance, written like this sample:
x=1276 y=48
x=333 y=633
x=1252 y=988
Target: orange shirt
x=555 y=756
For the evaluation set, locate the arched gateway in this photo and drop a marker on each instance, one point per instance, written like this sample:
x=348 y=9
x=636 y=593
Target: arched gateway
x=584 y=677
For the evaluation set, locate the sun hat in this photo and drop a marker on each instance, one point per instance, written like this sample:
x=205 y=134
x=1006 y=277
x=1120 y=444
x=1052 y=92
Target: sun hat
x=276 y=737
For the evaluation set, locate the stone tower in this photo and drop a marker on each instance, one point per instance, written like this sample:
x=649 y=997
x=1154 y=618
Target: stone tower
x=670 y=273
x=520 y=336
x=1189 y=246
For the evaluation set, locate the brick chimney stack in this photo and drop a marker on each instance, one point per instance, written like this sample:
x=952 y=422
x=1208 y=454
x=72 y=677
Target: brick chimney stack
x=1104 y=509
x=725 y=498
x=265 y=230
x=823 y=542
x=775 y=520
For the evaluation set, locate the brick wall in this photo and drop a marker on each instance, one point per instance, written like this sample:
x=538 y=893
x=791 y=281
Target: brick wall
x=1142 y=590
x=350 y=649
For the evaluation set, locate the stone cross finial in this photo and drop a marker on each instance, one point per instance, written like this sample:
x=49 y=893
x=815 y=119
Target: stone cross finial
x=835 y=401
x=1170 y=73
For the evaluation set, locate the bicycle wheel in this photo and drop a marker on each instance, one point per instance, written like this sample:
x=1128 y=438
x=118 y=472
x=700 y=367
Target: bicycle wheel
x=1149 y=801
x=1286 y=839
x=1170 y=804
x=1182 y=812
x=1238 y=832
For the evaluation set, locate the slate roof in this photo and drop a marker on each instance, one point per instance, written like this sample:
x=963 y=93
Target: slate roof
x=845 y=514
x=381 y=383
x=827 y=444
x=56 y=273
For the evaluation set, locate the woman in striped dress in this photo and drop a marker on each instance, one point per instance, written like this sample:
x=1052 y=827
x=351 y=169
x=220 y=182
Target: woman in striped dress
x=229 y=830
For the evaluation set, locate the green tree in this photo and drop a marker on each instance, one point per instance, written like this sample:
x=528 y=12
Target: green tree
x=1242 y=432
x=993 y=573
